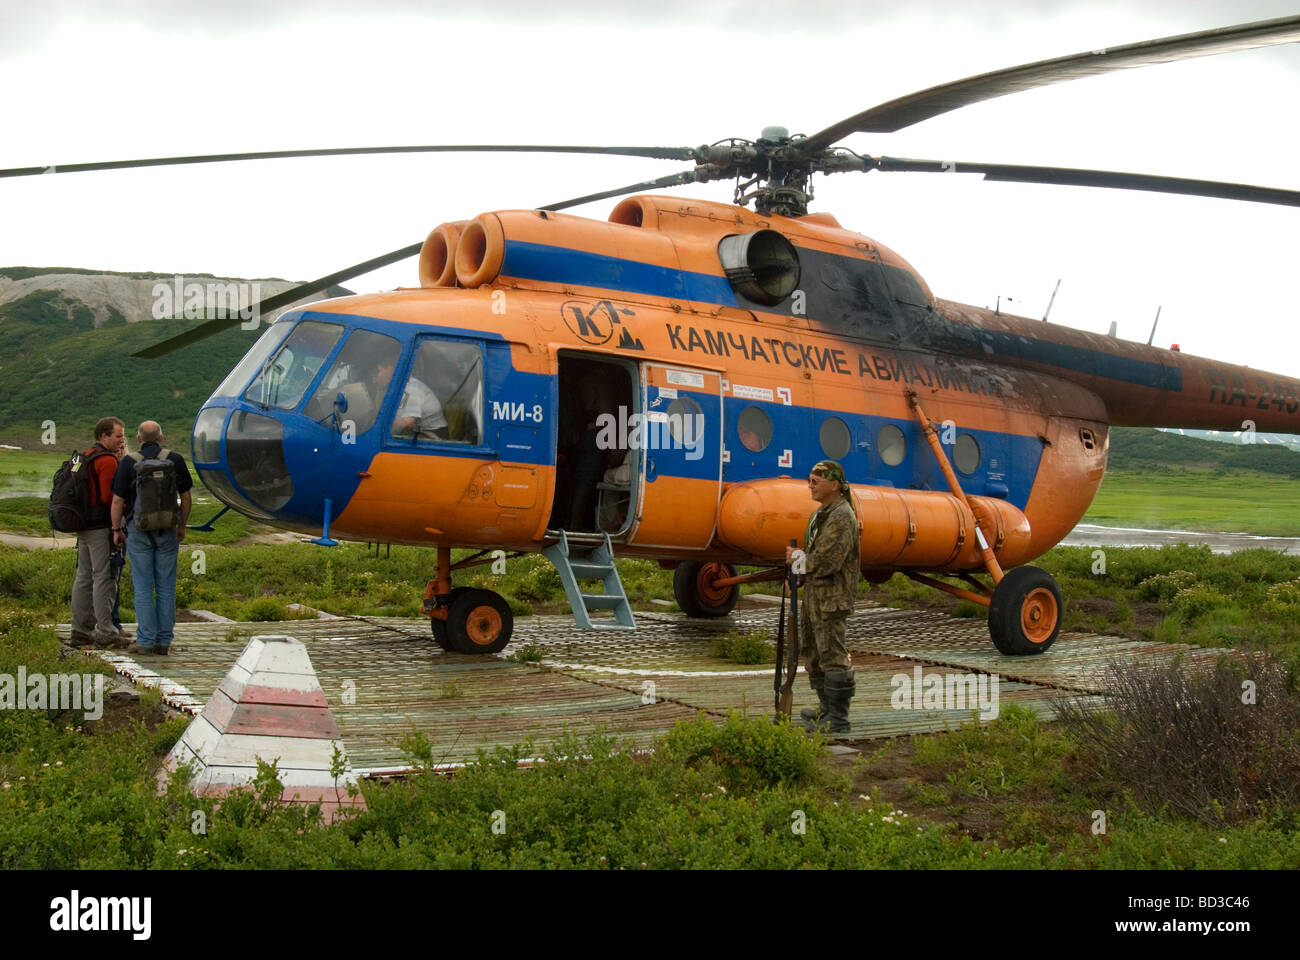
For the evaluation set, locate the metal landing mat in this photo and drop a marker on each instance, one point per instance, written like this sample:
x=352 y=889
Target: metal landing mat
x=385 y=677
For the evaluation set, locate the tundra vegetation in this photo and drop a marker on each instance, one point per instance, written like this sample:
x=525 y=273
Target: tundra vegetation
x=1178 y=771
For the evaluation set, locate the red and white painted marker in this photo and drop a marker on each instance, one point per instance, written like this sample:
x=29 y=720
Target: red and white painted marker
x=269 y=705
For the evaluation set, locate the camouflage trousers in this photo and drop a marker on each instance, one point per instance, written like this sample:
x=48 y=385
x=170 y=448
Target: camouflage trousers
x=821 y=642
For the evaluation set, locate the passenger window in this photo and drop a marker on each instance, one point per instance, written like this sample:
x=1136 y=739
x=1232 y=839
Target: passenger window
x=966 y=454
x=361 y=373
x=442 y=399
x=754 y=428
x=835 y=438
x=891 y=444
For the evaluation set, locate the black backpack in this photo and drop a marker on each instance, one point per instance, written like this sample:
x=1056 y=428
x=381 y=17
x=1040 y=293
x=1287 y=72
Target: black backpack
x=157 y=504
x=74 y=501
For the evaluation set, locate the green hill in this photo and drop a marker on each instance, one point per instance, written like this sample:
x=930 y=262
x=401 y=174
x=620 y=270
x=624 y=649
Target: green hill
x=1135 y=449
x=60 y=368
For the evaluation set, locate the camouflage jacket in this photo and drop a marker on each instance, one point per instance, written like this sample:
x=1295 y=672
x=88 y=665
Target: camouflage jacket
x=834 y=565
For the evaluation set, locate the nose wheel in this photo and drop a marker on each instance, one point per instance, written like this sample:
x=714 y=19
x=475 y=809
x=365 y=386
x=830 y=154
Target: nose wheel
x=439 y=627
x=478 y=621
x=1025 y=612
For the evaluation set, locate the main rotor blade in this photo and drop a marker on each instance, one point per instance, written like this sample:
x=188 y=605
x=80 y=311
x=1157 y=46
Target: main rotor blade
x=924 y=104
x=654 y=153
x=672 y=180
x=283 y=299
x=1068 y=176
x=294 y=294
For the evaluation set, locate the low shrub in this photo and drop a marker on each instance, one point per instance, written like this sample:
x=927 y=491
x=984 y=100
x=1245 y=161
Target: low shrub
x=1217 y=744
x=746 y=647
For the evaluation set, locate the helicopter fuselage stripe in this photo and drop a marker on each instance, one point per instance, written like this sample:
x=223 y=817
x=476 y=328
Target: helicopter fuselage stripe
x=553 y=264
x=543 y=262
x=1142 y=373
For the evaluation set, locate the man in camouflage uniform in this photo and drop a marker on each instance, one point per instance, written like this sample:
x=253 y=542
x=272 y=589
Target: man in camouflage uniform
x=830 y=589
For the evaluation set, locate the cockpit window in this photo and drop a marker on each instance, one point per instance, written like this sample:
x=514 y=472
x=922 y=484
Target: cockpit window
x=254 y=359
x=442 y=400
x=284 y=379
x=360 y=373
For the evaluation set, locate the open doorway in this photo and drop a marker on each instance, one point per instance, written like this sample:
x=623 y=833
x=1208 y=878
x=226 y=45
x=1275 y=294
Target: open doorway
x=596 y=468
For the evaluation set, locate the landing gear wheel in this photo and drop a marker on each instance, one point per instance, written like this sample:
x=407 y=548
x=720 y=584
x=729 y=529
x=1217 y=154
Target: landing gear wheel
x=1025 y=612
x=480 y=621
x=439 y=627
x=697 y=596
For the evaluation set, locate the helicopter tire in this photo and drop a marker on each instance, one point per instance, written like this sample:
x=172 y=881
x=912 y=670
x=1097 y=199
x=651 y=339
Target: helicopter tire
x=695 y=593
x=1025 y=612
x=479 y=622
x=439 y=627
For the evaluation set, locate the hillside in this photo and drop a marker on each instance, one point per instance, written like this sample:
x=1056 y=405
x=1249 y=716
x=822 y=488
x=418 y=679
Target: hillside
x=1136 y=449
x=66 y=359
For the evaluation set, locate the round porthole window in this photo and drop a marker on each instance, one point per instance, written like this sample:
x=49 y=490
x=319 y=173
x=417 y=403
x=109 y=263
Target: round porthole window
x=685 y=421
x=966 y=454
x=835 y=438
x=892 y=445
x=754 y=428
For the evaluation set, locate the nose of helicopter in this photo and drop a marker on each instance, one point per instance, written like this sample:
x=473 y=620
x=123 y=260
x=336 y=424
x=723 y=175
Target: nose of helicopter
x=274 y=466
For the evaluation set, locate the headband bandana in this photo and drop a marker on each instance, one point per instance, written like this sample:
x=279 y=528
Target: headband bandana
x=830 y=470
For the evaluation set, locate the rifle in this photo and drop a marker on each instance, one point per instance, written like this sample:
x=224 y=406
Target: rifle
x=787 y=660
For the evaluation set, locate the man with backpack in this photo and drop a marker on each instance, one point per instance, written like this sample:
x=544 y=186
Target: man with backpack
x=93 y=589
x=151 y=504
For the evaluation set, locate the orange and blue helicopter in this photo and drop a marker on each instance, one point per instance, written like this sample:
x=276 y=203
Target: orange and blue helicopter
x=659 y=384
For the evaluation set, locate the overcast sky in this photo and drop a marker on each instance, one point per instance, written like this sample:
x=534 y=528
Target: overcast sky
x=99 y=81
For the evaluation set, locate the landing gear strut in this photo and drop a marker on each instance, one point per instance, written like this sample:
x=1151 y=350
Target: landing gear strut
x=466 y=619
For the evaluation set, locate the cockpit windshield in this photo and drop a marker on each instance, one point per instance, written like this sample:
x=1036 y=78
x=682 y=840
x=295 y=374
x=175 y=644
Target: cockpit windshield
x=254 y=359
x=284 y=378
x=361 y=374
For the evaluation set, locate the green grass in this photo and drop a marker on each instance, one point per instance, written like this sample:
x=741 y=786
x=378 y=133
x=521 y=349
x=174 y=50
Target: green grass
x=1227 y=501
x=25 y=515
x=741 y=794
x=31 y=471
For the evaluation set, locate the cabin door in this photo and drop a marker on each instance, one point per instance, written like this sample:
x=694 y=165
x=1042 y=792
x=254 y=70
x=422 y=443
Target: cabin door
x=680 y=471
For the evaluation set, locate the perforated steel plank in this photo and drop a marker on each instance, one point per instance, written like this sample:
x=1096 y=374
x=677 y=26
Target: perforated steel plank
x=385 y=678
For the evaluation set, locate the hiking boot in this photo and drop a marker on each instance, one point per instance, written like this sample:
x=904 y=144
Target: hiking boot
x=79 y=639
x=117 y=640
x=162 y=651
x=136 y=650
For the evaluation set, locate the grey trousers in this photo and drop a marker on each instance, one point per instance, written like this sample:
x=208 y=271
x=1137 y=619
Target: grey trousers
x=95 y=588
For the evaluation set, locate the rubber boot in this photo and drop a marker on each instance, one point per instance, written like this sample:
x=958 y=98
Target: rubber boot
x=817 y=682
x=841 y=685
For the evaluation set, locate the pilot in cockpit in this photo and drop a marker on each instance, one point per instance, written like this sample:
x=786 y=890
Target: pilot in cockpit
x=419 y=414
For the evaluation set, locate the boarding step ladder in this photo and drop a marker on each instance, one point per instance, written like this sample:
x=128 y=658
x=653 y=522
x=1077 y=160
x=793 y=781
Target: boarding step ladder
x=591 y=562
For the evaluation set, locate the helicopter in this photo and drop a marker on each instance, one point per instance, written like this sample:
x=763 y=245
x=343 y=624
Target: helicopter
x=657 y=384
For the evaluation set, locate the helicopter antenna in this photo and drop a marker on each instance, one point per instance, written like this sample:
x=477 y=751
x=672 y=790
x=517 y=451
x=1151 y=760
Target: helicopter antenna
x=1051 y=300
x=1152 y=338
